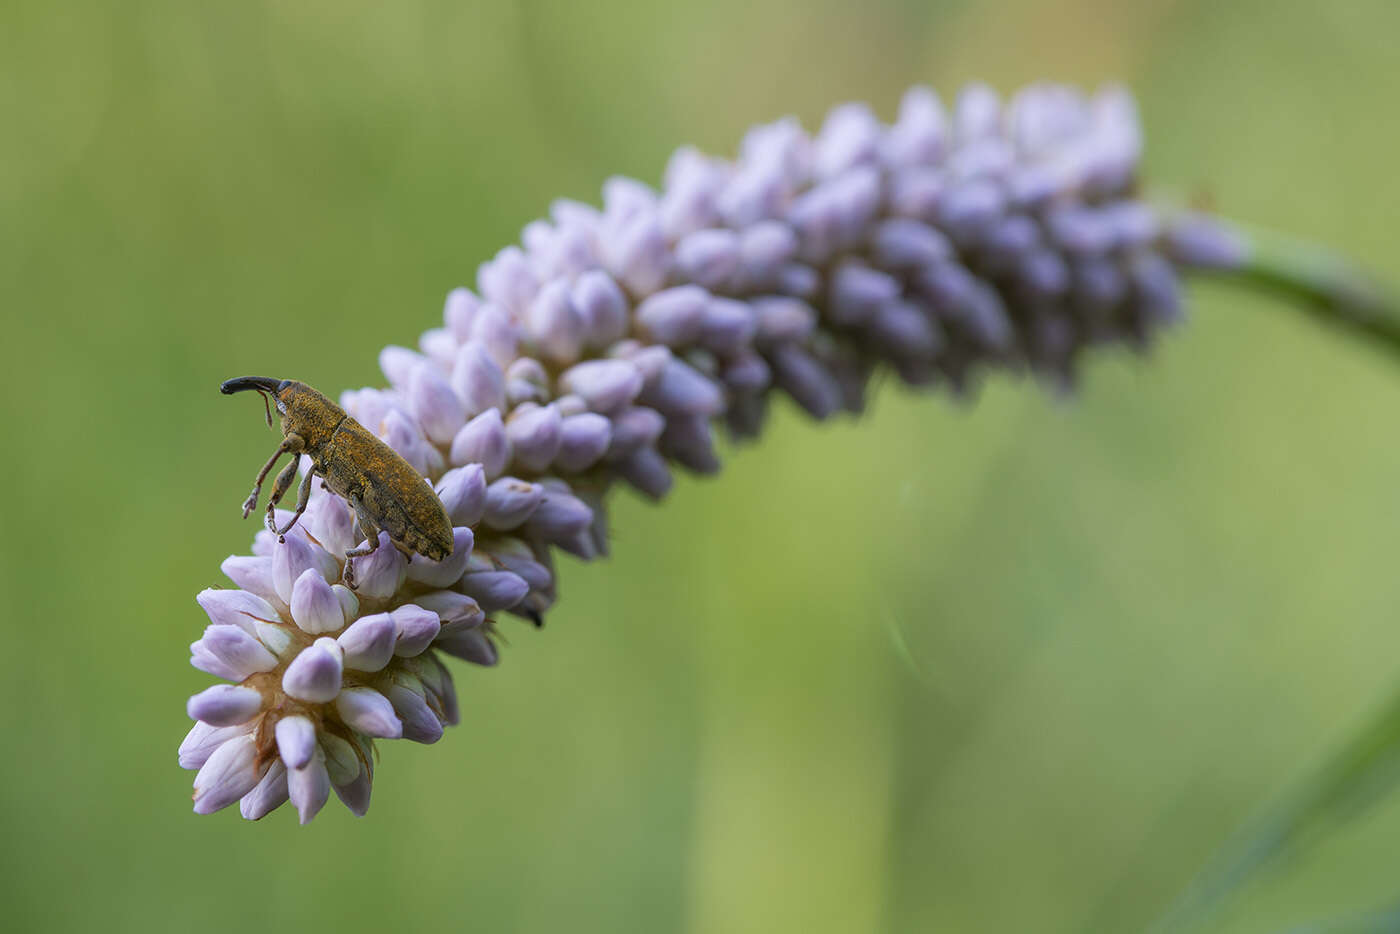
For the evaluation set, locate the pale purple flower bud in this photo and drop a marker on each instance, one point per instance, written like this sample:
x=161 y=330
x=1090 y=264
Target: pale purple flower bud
x=517 y=557
x=747 y=373
x=782 y=145
x=708 y=258
x=251 y=574
x=437 y=683
x=857 y=290
x=605 y=385
x=494 y=590
x=370 y=712
x=331 y=521
x=905 y=329
x=1079 y=230
x=916 y=193
x=833 y=215
x=1099 y=283
x=649 y=360
x=267 y=795
x=355 y=793
x=692 y=183
x=809 y=383
x=555 y=326
x=235 y=653
x=1044 y=273
x=583 y=440
x=1205 y=243
x=201 y=741
x=397 y=364
x=419 y=723
x=755 y=192
x=637 y=256
x=977 y=114
x=849 y=137
x=368 y=643
x=315 y=606
x=435 y=404
x=314 y=675
x=904 y=243
x=507 y=281
x=646 y=470
x=401 y=433
x=416 y=627
x=381 y=572
x=1008 y=241
x=342 y=760
x=919 y=135
x=602 y=306
x=229 y=773
x=459 y=312
x=633 y=428
x=440 y=346
x=559 y=516
x=309 y=788
x=296 y=741
x=463 y=492
x=497 y=332
x=728 y=325
x=444 y=573
x=1156 y=288
x=1134 y=224
x=966 y=212
x=236 y=608
x=626 y=198
x=453 y=609
x=509 y=502
x=534 y=436
x=764 y=249
x=681 y=390
x=783 y=320
x=349 y=603
x=205 y=660
x=292 y=558
x=225 y=705
x=673 y=316
x=470 y=645
x=687 y=440
x=482 y=441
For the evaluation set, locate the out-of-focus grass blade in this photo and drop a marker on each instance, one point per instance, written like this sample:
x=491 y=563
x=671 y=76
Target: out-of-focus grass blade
x=1357 y=775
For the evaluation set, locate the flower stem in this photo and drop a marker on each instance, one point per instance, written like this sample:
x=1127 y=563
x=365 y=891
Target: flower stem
x=1323 y=283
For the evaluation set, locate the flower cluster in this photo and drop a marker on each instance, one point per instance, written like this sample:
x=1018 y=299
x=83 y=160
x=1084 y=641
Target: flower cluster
x=610 y=345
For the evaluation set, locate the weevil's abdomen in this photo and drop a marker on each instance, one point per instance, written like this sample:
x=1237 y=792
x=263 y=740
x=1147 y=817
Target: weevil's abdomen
x=391 y=493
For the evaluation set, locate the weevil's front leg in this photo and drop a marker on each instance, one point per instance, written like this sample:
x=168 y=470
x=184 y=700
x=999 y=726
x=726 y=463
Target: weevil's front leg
x=303 y=497
x=290 y=444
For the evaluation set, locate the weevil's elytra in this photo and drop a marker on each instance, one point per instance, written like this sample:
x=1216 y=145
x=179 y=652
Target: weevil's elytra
x=385 y=491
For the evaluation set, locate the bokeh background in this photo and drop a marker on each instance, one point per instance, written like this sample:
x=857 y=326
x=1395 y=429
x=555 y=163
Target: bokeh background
x=1015 y=666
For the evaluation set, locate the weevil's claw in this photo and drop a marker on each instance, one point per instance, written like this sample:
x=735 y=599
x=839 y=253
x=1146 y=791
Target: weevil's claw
x=250 y=504
x=281 y=539
x=349 y=575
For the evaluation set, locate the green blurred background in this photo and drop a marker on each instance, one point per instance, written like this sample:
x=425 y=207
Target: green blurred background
x=1019 y=666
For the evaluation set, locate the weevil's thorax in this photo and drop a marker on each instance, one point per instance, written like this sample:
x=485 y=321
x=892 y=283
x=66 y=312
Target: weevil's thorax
x=309 y=414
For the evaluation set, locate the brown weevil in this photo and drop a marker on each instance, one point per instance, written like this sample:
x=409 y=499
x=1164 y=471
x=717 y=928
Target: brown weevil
x=384 y=490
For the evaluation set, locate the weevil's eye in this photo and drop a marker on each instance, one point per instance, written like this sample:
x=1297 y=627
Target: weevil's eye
x=283 y=385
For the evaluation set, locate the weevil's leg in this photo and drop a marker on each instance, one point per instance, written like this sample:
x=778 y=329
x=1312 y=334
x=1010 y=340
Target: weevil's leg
x=370 y=532
x=293 y=444
x=279 y=490
x=303 y=497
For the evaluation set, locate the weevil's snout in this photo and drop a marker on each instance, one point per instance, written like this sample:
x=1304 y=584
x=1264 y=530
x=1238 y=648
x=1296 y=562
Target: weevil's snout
x=260 y=383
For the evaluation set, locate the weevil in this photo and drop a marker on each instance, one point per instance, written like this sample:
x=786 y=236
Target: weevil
x=384 y=490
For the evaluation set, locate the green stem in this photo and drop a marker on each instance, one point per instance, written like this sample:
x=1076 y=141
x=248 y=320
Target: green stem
x=1324 y=284
x=1355 y=776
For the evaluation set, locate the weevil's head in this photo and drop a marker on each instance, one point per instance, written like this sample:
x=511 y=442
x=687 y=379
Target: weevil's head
x=301 y=408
